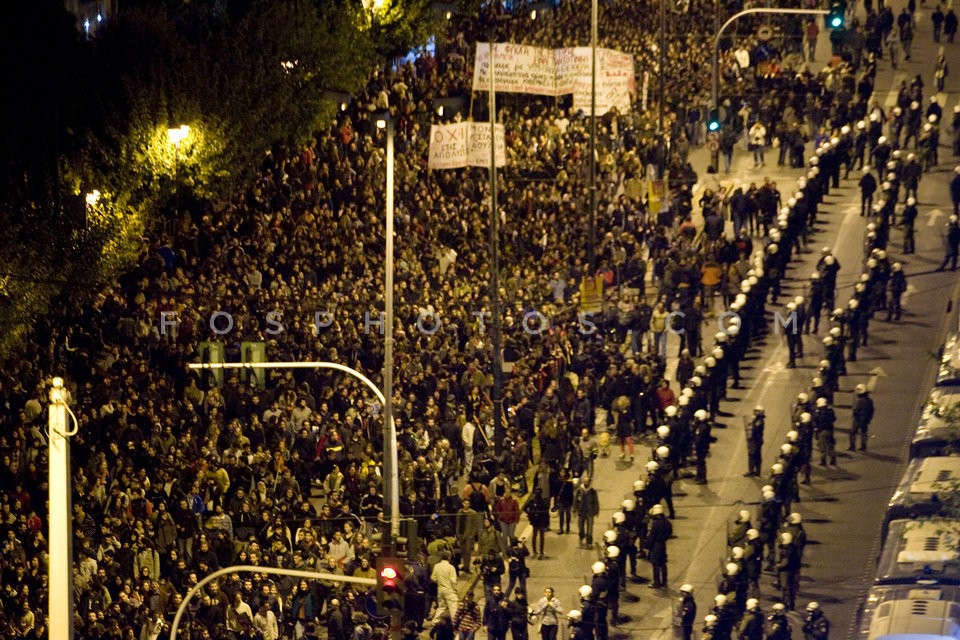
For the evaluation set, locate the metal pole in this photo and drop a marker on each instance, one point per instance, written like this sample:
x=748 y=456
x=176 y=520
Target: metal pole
x=496 y=347
x=715 y=80
x=391 y=499
x=249 y=568
x=391 y=480
x=592 y=240
x=60 y=533
x=661 y=132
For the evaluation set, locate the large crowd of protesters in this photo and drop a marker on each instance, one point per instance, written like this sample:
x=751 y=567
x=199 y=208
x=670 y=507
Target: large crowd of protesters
x=178 y=473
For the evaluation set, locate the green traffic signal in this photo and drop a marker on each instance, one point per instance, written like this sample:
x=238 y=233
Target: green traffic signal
x=837 y=15
x=713 y=120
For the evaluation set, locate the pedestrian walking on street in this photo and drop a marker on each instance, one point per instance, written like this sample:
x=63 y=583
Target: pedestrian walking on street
x=444 y=575
x=950 y=25
x=937 y=17
x=549 y=610
x=468 y=618
x=758 y=142
x=587 y=505
x=538 y=513
x=868 y=186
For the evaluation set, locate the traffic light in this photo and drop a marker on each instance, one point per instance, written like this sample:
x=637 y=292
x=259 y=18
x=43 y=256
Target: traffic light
x=713 y=120
x=838 y=14
x=390 y=590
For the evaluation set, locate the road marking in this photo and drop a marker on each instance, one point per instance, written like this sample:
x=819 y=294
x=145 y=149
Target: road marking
x=875 y=374
x=933 y=215
x=906 y=295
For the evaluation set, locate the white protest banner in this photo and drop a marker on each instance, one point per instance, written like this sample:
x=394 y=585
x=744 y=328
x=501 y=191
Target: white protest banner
x=556 y=72
x=519 y=69
x=615 y=82
x=478 y=145
x=464 y=144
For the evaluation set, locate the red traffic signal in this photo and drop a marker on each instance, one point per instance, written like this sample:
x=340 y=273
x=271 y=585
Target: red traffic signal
x=390 y=592
x=388 y=573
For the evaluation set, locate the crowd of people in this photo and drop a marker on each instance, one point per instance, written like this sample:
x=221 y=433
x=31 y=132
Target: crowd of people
x=177 y=474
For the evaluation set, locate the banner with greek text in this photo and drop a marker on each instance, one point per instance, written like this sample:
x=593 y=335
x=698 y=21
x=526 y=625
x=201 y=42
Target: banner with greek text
x=557 y=72
x=464 y=144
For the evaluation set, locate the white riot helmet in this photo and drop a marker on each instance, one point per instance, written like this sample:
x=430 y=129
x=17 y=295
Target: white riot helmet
x=795 y=518
x=821 y=402
x=744 y=515
x=671 y=411
x=720 y=336
x=656 y=510
x=753 y=604
x=813 y=606
x=613 y=551
x=805 y=417
x=598 y=567
x=732 y=568
x=585 y=591
x=710 y=620
x=753 y=534
x=639 y=485
x=627 y=505
x=777 y=469
x=687 y=588
x=574 y=614
x=717 y=353
x=719 y=600
x=663 y=431
x=786 y=538
x=652 y=466
x=779 y=607
x=792 y=436
x=663 y=452
x=710 y=361
x=701 y=414
x=737 y=553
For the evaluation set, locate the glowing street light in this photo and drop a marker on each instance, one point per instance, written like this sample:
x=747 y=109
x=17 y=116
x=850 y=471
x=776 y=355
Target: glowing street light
x=93 y=198
x=178 y=135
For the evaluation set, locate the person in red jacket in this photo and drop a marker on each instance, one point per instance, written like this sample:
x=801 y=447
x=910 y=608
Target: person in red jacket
x=507 y=512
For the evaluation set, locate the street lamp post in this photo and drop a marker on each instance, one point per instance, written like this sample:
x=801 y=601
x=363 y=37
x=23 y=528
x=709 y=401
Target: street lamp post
x=391 y=496
x=592 y=217
x=60 y=533
x=496 y=347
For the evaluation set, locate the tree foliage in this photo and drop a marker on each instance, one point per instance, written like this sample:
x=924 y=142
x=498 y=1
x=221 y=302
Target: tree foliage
x=244 y=75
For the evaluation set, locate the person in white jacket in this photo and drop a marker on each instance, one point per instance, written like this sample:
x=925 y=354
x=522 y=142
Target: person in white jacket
x=758 y=140
x=266 y=623
x=467 y=435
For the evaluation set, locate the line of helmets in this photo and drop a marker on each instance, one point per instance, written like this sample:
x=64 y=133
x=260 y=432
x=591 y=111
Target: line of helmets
x=776 y=543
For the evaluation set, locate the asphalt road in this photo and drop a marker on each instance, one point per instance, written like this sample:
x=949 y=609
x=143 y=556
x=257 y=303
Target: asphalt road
x=843 y=507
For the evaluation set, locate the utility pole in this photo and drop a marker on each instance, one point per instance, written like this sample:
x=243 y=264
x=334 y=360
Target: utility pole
x=496 y=357
x=592 y=233
x=60 y=533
